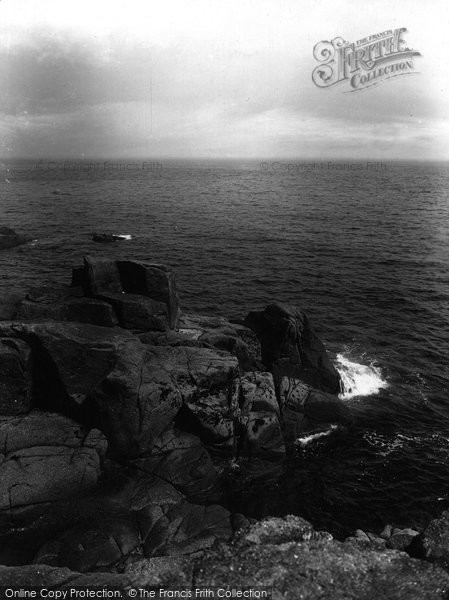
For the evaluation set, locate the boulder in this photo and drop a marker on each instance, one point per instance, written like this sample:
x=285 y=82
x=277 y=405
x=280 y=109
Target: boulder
x=45 y=458
x=10 y=239
x=16 y=377
x=109 y=279
x=401 y=539
x=152 y=280
x=291 y=347
x=433 y=542
x=276 y=530
x=386 y=532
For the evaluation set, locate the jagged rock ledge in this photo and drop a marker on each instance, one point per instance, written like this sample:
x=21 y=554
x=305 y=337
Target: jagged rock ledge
x=286 y=557
x=121 y=418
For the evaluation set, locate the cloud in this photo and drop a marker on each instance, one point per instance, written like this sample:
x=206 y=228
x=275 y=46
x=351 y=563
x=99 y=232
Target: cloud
x=201 y=78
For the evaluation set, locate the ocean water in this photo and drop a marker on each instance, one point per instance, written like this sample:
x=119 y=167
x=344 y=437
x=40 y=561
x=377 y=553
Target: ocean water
x=364 y=251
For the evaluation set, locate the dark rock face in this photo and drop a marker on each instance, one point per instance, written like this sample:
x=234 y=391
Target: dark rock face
x=138 y=312
x=45 y=458
x=10 y=239
x=401 y=539
x=180 y=459
x=433 y=542
x=170 y=526
x=186 y=529
x=155 y=281
x=141 y=395
x=101 y=277
x=71 y=358
x=290 y=347
x=16 y=377
x=122 y=283
x=146 y=517
x=182 y=405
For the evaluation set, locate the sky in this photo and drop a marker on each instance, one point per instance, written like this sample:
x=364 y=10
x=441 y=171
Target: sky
x=214 y=79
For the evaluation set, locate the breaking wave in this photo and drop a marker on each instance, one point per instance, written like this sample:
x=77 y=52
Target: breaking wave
x=308 y=439
x=357 y=379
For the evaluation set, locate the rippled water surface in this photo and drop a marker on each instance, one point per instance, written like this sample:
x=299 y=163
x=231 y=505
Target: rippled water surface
x=364 y=252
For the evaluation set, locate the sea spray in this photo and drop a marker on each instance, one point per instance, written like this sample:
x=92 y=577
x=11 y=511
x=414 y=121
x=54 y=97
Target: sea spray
x=312 y=437
x=358 y=379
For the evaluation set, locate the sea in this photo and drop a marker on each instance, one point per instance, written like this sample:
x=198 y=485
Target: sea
x=361 y=247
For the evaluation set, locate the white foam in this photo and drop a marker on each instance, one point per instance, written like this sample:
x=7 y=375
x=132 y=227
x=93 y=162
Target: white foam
x=307 y=439
x=358 y=379
x=125 y=237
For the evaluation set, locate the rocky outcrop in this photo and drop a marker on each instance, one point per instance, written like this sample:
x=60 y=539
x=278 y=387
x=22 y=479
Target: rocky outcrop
x=45 y=458
x=109 y=279
x=284 y=556
x=188 y=405
x=10 y=239
x=290 y=347
x=155 y=281
x=144 y=391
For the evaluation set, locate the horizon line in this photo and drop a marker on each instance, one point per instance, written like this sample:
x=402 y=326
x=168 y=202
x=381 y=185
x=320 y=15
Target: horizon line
x=221 y=158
